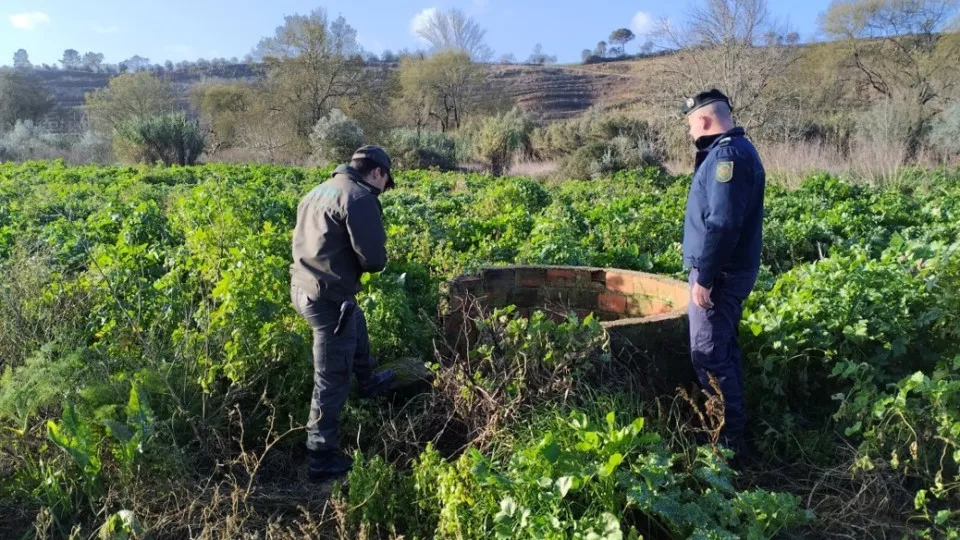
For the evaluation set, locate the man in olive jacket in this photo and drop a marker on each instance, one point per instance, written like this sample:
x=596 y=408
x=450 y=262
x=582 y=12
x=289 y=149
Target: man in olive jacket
x=339 y=235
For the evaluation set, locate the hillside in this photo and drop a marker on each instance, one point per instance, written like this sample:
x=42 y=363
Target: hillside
x=69 y=87
x=547 y=93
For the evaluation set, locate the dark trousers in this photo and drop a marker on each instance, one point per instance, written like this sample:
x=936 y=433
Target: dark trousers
x=335 y=358
x=714 y=346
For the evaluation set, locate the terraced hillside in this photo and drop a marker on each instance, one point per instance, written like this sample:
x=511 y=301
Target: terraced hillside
x=69 y=87
x=557 y=92
x=546 y=92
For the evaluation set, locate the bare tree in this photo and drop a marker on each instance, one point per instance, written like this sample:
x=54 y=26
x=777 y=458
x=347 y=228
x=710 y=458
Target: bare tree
x=452 y=29
x=312 y=64
x=601 y=49
x=718 y=46
x=902 y=50
x=540 y=57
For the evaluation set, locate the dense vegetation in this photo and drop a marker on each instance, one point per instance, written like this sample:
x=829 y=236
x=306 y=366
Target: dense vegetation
x=155 y=378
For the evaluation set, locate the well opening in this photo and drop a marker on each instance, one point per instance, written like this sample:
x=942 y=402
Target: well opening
x=645 y=314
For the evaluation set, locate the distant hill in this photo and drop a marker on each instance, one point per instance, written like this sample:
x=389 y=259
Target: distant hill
x=69 y=87
x=547 y=93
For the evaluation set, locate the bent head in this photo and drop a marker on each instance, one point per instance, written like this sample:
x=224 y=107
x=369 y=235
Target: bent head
x=373 y=164
x=372 y=173
x=711 y=119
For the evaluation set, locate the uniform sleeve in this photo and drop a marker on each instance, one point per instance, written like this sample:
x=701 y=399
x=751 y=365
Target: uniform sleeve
x=367 y=235
x=729 y=186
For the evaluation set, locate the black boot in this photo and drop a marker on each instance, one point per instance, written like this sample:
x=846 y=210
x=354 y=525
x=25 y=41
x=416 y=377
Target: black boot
x=328 y=464
x=376 y=383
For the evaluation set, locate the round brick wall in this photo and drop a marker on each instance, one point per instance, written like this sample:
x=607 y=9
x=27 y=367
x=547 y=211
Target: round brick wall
x=645 y=314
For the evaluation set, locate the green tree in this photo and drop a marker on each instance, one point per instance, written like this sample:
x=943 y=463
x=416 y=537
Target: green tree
x=71 y=59
x=129 y=96
x=93 y=61
x=22 y=97
x=451 y=80
x=902 y=50
x=442 y=88
x=223 y=109
x=136 y=63
x=412 y=106
x=622 y=36
x=21 y=60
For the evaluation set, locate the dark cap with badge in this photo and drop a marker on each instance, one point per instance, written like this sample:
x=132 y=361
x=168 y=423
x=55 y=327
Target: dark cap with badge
x=377 y=155
x=704 y=98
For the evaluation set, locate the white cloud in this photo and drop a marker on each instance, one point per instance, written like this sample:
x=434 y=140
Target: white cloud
x=28 y=21
x=642 y=23
x=112 y=29
x=420 y=21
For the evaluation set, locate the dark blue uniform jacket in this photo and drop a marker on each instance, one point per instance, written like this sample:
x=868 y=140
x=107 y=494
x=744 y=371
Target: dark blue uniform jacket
x=723 y=225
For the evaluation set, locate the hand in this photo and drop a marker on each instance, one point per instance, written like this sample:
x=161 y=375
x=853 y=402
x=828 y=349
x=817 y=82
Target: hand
x=701 y=296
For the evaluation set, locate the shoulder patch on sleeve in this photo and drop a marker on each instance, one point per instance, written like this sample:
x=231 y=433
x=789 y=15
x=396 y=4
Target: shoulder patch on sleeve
x=724 y=171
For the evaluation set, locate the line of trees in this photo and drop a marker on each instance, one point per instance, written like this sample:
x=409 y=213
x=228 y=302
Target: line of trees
x=72 y=60
x=614 y=47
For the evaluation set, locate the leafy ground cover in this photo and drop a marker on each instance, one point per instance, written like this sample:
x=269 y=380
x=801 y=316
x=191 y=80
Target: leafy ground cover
x=154 y=374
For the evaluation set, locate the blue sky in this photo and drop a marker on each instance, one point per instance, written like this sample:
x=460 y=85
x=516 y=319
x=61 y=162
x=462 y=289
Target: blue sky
x=190 y=29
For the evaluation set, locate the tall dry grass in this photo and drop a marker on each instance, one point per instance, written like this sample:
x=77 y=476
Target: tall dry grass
x=871 y=162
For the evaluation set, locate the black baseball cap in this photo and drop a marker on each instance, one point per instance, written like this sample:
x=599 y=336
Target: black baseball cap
x=704 y=98
x=377 y=155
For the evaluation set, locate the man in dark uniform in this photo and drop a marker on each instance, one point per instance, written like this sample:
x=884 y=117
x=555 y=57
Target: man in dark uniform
x=339 y=235
x=722 y=238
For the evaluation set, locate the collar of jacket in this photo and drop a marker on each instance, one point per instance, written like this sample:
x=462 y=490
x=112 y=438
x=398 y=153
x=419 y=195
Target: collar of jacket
x=707 y=142
x=355 y=177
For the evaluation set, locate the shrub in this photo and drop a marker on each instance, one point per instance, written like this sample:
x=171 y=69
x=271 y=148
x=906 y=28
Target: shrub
x=893 y=122
x=586 y=477
x=560 y=139
x=501 y=136
x=91 y=148
x=410 y=149
x=43 y=381
x=945 y=132
x=335 y=137
x=170 y=138
x=601 y=159
x=29 y=141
